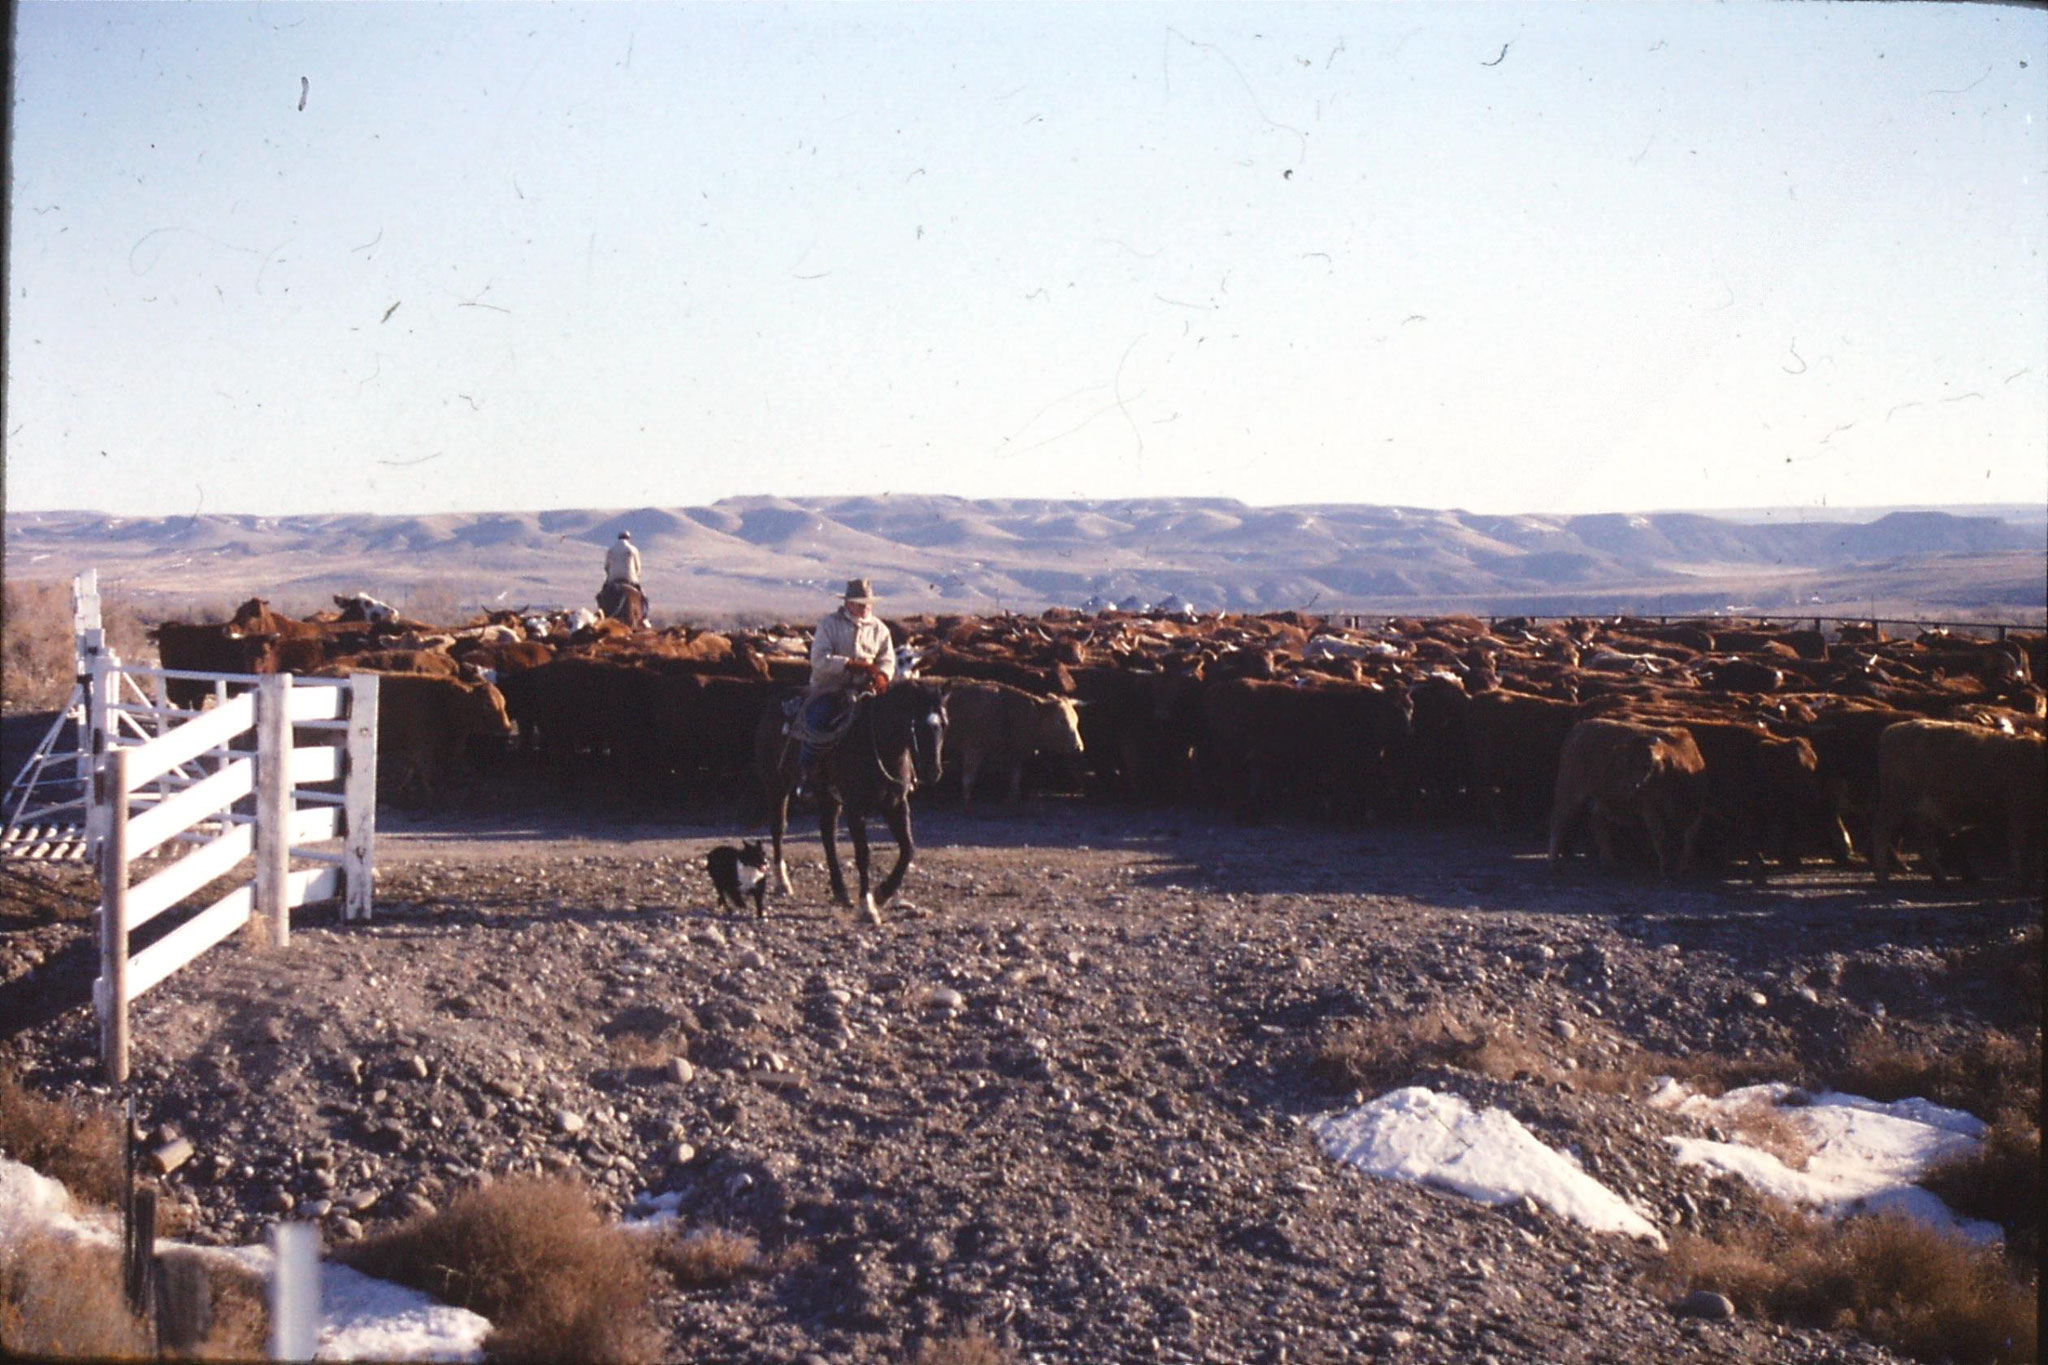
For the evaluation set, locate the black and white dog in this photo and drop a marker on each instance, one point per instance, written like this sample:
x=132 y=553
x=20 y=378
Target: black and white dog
x=736 y=872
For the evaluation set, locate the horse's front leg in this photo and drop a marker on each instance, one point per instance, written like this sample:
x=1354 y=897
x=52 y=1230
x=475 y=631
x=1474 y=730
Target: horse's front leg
x=828 y=834
x=857 y=828
x=778 y=825
x=897 y=813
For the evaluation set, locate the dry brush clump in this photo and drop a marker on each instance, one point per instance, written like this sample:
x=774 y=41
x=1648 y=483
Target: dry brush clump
x=76 y=1146
x=533 y=1256
x=61 y=1296
x=1990 y=1073
x=36 y=641
x=1994 y=1076
x=1381 y=1053
x=2000 y=1183
x=970 y=1347
x=708 y=1257
x=1925 y=1292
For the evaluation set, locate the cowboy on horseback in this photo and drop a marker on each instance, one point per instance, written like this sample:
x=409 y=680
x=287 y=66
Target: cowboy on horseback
x=852 y=654
x=621 y=597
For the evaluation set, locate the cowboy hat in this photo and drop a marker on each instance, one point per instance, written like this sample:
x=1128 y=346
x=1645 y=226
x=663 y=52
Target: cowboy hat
x=859 y=590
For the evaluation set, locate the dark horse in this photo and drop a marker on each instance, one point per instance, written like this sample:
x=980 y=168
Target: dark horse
x=892 y=745
x=621 y=601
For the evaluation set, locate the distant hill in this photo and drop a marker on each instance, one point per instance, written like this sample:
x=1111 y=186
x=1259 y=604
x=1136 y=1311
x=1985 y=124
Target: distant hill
x=789 y=557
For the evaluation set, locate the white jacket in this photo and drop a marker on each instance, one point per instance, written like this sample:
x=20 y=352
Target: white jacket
x=839 y=638
x=622 y=561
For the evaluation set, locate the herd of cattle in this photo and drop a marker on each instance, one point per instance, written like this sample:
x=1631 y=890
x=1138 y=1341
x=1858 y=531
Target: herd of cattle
x=1703 y=744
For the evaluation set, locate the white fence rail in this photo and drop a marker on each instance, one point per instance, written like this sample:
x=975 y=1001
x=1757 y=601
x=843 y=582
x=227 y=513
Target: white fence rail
x=231 y=805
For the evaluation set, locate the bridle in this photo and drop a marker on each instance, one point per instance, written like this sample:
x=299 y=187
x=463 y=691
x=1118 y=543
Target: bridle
x=906 y=784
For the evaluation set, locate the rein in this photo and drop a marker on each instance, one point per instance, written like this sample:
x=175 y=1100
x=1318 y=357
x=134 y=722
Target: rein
x=903 y=785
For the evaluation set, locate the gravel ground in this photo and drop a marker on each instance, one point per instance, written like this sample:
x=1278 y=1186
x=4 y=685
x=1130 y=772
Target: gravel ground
x=1058 y=1094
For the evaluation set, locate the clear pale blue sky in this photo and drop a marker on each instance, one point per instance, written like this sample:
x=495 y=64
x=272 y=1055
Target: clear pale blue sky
x=522 y=256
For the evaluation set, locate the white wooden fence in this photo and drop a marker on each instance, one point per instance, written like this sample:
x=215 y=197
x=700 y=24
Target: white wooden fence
x=185 y=784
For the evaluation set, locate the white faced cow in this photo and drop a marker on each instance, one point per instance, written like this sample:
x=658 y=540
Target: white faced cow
x=991 y=724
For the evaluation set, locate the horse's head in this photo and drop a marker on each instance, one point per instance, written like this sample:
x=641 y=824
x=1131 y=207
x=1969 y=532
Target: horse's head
x=928 y=728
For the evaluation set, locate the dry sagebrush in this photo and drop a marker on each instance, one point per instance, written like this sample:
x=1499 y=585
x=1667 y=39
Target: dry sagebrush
x=36 y=641
x=61 y=1296
x=533 y=1256
x=1925 y=1292
x=78 y=1147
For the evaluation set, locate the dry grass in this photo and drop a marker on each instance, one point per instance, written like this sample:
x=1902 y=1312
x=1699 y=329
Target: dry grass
x=78 y=1147
x=971 y=1347
x=1992 y=1073
x=238 y=1326
x=638 y=1052
x=1920 y=1291
x=1377 y=1054
x=35 y=641
x=436 y=601
x=60 y=1296
x=1766 y=1128
x=533 y=1256
x=2000 y=1182
x=708 y=1257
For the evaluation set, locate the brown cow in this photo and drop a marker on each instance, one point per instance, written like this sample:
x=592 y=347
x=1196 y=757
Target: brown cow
x=1764 y=794
x=1938 y=777
x=424 y=723
x=1329 y=748
x=208 y=649
x=991 y=725
x=434 y=661
x=1619 y=773
x=1845 y=740
x=1515 y=741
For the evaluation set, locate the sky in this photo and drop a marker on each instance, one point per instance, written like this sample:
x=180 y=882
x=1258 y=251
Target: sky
x=410 y=258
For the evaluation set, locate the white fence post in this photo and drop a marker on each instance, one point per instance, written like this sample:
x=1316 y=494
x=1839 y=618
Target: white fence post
x=274 y=804
x=94 y=739
x=111 y=796
x=294 y=1291
x=359 y=797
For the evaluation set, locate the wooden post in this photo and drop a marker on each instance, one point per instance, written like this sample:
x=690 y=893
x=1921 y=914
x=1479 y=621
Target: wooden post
x=111 y=796
x=184 y=1303
x=141 y=1257
x=359 y=798
x=274 y=805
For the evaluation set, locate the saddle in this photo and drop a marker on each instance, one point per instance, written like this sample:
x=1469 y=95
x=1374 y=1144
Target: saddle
x=816 y=727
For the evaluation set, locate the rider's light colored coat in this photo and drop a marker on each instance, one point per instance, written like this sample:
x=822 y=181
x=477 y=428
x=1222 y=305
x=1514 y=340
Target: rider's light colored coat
x=839 y=638
x=622 y=562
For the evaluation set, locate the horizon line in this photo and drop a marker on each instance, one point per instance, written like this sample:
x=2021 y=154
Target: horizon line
x=1830 y=512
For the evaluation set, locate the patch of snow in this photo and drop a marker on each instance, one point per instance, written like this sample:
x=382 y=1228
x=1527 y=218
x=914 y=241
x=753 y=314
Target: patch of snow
x=30 y=1201
x=1417 y=1134
x=370 y=1319
x=361 y=1318
x=1864 y=1155
x=650 y=1213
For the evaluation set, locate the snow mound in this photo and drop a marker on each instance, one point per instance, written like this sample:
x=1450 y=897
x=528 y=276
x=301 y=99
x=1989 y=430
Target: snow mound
x=369 y=1319
x=1417 y=1134
x=30 y=1202
x=1864 y=1155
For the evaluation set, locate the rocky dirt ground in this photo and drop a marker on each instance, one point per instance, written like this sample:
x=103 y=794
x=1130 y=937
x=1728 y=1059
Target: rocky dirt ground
x=1058 y=1094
